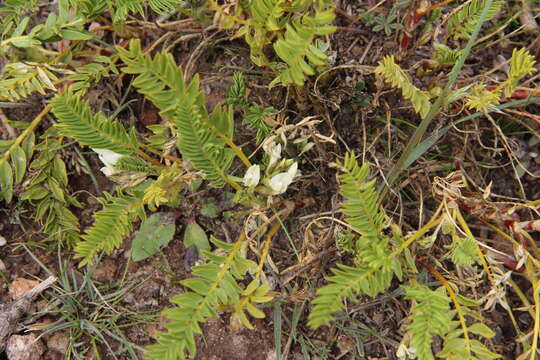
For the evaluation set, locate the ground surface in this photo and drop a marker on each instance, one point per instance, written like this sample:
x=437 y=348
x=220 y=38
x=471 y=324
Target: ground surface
x=371 y=328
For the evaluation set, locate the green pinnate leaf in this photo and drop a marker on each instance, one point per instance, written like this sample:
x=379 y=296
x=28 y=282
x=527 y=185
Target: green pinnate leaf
x=201 y=134
x=214 y=287
x=111 y=224
x=375 y=267
x=393 y=74
x=463 y=251
x=76 y=120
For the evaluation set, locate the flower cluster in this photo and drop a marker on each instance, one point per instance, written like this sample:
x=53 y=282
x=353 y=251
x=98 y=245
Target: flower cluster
x=109 y=158
x=279 y=174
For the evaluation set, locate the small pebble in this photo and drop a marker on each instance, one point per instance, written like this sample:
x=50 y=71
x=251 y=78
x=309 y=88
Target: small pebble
x=24 y=347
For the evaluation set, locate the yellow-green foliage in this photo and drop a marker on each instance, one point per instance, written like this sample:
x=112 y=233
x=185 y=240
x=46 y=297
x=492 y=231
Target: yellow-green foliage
x=483 y=100
x=298 y=50
x=521 y=65
x=393 y=74
x=461 y=24
x=19 y=80
x=111 y=224
x=479 y=98
x=267 y=13
x=266 y=16
x=215 y=286
x=375 y=266
x=431 y=316
x=201 y=134
x=296 y=24
x=165 y=189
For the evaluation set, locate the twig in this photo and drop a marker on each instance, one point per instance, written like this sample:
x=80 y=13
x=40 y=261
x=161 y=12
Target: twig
x=10 y=314
x=197 y=52
x=5 y=121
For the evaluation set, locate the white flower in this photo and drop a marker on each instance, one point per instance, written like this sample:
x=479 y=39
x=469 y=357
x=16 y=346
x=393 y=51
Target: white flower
x=403 y=352
x=280 y=182
x=253 y=175
x=109 y=158
x=274 y=151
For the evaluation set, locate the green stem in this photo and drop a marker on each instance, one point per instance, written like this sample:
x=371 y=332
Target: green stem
x=455 y=300
x=479 y=252
x=434 y=221
x=531 y=273
x=230 y=143
x=25 y=133
x=159 y=153
x=435 y=108
x=526 y=303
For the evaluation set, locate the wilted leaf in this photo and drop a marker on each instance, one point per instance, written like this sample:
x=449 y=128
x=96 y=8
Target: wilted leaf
x=155 y=232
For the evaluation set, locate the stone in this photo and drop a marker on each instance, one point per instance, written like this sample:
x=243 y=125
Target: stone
x=24 y=347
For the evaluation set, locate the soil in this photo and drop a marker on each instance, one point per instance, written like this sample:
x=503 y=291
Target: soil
x=373 y=327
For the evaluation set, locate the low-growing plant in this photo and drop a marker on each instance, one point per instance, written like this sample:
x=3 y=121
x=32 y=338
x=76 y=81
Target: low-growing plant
x=155 y=168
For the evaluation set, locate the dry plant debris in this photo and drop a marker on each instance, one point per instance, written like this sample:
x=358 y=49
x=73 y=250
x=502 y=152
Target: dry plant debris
x=269 y=179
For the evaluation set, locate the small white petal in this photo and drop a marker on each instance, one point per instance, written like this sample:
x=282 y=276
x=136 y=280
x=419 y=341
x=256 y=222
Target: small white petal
x=108 y=157
x=252 y=176
x=275 y=155
x=274 y=151
x=293 y=170
x=108 y=171
x=280 y=182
